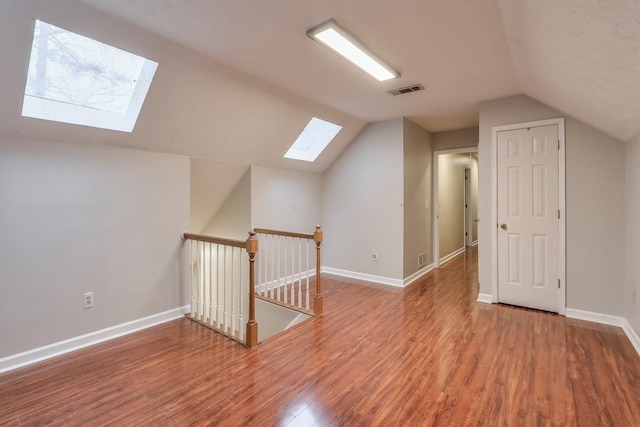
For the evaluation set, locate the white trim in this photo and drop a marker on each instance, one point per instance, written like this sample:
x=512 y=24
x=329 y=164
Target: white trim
x=607 y=319
x=29 y=357
x=435 y=228
x=562 y=245
x=364 y=276
x=632 y=335
x=418 y=274
x=475 y=243
x=590 y=316
x=485 y=298
x=452 y=255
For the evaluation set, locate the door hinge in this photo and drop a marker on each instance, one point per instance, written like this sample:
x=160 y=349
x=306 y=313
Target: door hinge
x=558 y=144
x=558 y=283
x=558 y=213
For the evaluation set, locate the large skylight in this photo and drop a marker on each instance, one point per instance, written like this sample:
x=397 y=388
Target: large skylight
x=74 y=79
x=314 y=138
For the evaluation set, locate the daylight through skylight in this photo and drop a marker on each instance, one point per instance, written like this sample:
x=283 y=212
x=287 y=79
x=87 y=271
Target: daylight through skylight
x=74 y=79
x=314 y=138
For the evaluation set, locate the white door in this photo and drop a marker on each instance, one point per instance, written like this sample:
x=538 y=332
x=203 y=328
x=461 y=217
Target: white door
x=528 y=217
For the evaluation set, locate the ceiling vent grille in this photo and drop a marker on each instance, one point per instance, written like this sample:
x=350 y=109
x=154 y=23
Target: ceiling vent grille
x=406 y=89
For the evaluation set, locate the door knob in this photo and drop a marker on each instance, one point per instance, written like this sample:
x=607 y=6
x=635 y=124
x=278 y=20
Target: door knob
x=503 y=226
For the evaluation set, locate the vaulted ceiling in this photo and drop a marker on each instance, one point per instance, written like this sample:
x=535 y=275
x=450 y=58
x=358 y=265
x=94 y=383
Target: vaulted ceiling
x=238 y=80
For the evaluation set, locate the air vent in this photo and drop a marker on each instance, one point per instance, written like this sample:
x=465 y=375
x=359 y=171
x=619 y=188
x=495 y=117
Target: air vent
x=406 y=89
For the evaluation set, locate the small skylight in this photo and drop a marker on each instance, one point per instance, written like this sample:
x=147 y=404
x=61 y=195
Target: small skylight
x=314 y=138
x=74 y=79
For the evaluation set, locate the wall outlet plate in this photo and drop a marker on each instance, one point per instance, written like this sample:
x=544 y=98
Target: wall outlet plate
x=374 y=255
x=87 y=299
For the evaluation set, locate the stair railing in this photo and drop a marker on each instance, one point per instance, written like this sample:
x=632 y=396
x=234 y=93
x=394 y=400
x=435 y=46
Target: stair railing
x=287 y=273
x=222 y=283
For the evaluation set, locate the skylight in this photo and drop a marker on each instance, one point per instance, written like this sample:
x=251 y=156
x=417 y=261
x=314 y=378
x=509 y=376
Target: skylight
x=74 y=79
x=314 y=138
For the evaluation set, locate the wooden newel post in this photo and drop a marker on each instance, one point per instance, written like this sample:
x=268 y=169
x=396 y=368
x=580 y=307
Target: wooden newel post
x=252 y=325
x=317 y=299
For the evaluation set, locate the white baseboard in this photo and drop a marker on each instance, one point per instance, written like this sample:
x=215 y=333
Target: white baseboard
x=56 y=349
x=474 y=243
x=485 y=298
x=590 y=316
x=364 y=276
x=607 y=319
x=418 y=274
x=632 y=335
x=452 y=255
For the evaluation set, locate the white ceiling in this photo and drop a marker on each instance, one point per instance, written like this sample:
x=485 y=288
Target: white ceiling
x=238 y=79
x=455 y=48
x=581 y=57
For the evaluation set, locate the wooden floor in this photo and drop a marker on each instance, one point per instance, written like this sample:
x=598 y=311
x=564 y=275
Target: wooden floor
x=428 y=355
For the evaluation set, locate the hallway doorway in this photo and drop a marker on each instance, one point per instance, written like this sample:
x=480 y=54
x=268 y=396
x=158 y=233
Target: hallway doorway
x=455 y=221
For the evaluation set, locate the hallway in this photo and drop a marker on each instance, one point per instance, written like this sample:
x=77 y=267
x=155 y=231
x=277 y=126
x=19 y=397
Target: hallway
x=426 y=355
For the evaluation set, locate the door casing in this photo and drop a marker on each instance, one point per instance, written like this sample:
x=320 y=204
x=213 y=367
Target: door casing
x=562 y=245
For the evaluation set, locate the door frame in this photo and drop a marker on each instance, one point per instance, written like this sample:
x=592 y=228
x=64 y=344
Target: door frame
x=562 y=244
x=468 y=238
x=435 y=226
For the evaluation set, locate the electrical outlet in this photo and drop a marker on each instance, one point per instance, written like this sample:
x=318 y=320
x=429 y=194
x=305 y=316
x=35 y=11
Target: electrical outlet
x=88 y=299
x=374 y=256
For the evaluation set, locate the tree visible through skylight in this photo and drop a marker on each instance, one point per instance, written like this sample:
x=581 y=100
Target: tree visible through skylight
x=75 y=79
x=314 y=138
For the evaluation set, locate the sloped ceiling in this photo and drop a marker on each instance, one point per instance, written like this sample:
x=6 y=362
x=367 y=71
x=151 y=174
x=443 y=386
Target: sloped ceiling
x=238 y=80
x=581 y=57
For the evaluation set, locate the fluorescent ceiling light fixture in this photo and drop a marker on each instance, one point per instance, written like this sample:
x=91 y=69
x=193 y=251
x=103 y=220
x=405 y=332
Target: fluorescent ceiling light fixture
x=314 y=138
x=331 y=35
x=74 y=79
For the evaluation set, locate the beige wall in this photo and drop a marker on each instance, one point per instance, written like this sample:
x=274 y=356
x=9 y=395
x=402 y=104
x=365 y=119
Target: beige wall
x=595 y=205
x=284 y=199
x=363 y=203
x=417 y=193
x=632 y=210
x=78 y=218
x=211 y=185
x=453 y=139
x=451 y=202
x=233 y=219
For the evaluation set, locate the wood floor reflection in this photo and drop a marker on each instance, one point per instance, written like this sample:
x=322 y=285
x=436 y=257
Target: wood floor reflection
x=426 y=355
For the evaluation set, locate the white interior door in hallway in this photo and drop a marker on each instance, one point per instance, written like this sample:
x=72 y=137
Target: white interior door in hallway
x=528 y=217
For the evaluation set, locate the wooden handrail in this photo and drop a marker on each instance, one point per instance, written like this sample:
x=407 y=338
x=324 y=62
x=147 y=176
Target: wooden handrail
x=216 y=240
x=284 y=233
x=251 y=246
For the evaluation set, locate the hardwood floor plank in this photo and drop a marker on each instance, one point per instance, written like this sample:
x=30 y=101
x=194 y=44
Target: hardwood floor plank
x=425 y=355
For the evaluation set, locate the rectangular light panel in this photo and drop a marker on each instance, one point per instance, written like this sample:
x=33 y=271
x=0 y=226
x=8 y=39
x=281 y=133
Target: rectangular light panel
x=331 y=35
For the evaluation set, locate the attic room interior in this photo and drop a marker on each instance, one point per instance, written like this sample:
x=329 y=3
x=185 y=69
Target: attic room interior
x=459 y=249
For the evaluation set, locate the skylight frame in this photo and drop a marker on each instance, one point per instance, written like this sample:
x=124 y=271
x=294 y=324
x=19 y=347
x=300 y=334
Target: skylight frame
x=47 y=108
x=313 y=139
x=381 y=71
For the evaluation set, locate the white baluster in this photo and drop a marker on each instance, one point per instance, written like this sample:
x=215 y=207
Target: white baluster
x=194 y=276
x=233 y=308
x=240 y=308
x=272 y=259
x=201 y=282
x=210 y=287
x=218 y=287
x=299 y=273
x=306 y=303
x=277 y=254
